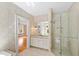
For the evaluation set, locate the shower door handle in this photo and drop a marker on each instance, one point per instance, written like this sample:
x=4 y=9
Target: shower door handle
x=61 y=27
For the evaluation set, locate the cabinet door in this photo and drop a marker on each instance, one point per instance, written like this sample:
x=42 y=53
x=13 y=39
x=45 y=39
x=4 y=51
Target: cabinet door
x=45 y=43
x=34 y=42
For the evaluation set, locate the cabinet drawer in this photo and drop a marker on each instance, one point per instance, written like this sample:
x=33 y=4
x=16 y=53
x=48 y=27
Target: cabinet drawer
x=40 y=42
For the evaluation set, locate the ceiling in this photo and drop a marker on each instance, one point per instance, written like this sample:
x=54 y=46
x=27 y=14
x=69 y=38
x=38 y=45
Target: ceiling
x=40 y=8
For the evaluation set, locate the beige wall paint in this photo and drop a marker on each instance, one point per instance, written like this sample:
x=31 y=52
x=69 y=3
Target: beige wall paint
x=40 y=18
x=3 y=26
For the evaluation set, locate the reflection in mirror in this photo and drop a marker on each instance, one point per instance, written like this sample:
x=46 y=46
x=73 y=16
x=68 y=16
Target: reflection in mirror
x=43 y=28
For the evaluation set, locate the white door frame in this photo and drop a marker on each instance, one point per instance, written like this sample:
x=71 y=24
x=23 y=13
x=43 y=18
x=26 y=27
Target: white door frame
x=26 y=21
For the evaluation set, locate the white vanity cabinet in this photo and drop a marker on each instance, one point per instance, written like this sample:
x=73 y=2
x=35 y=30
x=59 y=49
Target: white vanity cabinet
x=40 y=42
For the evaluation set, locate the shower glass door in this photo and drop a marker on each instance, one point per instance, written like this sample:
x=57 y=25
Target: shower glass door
x=61 y=34
x=56 y=27
x=64 y=34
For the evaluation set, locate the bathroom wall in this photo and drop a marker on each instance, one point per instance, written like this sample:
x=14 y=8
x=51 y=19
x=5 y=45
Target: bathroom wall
x=40 y=18
x=3 y=26
x=8 y=11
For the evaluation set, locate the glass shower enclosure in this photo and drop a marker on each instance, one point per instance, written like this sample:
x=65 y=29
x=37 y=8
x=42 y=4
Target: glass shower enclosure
x=61 y=34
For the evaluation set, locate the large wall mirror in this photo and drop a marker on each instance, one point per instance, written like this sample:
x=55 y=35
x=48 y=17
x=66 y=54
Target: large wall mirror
x=43 y=28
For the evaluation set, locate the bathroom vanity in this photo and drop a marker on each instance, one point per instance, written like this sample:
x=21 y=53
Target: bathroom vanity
x=40 y=42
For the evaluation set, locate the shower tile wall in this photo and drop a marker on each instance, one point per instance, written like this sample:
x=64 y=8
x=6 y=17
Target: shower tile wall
x=65 y=33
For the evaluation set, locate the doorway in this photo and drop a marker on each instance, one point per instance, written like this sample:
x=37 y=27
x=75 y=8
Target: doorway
x=22 y=34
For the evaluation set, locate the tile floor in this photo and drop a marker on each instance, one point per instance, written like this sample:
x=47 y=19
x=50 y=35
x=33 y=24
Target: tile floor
x=36 y=52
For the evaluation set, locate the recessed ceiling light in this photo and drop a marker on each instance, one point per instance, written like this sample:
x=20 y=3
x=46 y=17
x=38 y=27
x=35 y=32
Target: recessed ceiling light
x=30 y=4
